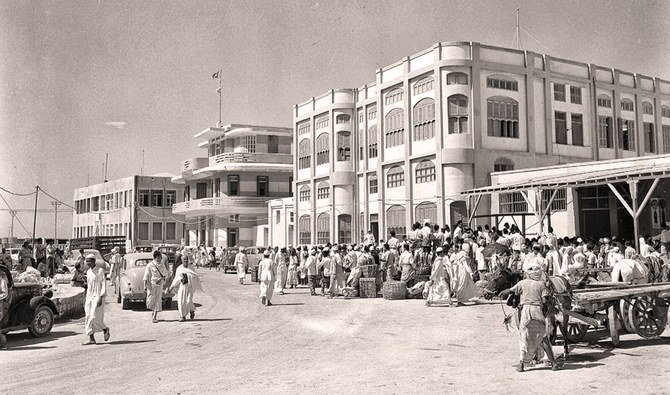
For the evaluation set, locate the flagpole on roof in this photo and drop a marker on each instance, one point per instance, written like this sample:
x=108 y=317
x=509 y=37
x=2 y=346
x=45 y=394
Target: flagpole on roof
x=219 y=90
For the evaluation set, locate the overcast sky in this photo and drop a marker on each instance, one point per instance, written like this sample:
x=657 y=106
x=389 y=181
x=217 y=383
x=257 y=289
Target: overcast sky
x=79 y=79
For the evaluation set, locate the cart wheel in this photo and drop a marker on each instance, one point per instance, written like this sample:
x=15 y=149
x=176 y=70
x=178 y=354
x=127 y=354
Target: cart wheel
x=626 y=322
x=648 y=315
x=576 y=331
x=612 y=321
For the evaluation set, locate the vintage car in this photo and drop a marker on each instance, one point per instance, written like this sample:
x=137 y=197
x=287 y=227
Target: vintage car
x=99 y=260
x=254 y=255
x=28 y=308
x=130 y=287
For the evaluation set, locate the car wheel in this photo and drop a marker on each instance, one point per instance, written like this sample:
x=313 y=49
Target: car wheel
x=43 y=321
x=167 y=303
x=125 y=304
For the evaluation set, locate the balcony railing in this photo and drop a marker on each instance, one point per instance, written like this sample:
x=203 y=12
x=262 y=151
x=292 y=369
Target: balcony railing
x=194 y=164
x=250 y=157
x=231 y=204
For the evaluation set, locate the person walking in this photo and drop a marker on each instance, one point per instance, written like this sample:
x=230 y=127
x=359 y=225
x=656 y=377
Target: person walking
x=187 y=282
x=155 y=276
x=115 y=267
x=310 y=265
x=267 y=271
x=292 y=275
x=25 y=257
x=241 y=263
x=281 y=262
x=439 y=287
x=94 y=306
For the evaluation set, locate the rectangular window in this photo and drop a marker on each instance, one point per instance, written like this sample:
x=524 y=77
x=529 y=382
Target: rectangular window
x=303 y=128
x=372 y=113
x=604 y=101
x=143 y=198
x=277 y=216
x=395 y=179
x=321 y=122
x=323 y=192
x=290 y=217
x=171 y=231
x=647 y=108
x=234 y=218
x=305 y=194
x=143 y=231
x=322 y=229
x=559 y=92
x=248 y=143
x=373 y=151
x=170 y=197
x=157 y=231
x=561 y=127
x=502 y=118
x=290 y=186
x=577 y=129
x=201 y=190
x=511 y=203
x=558 y=204
x=374 y=188
x=217 y=187
x=273 y=144
x=575 y=95
x=666 y=139
x=605 y=132
x=425 y=174
x=361 y=116
x=304 y=230
x=343 y=146
x=457 y=79
x=649 y=137
x=157 y=198
x=262 y=185
x=502 y=83
x=627 y=105
x=594 y=198
x=233 y=185
x=626 y=134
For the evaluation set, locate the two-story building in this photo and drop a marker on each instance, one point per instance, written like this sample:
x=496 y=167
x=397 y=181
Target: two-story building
x=226 y=193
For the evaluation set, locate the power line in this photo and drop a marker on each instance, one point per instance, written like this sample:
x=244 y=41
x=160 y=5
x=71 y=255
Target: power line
x=56 y=199
x=17 y=218
x=17 y=194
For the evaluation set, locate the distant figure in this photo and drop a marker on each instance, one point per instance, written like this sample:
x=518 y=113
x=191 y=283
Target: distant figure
x=267 y=271
x=241 y=263
x=115 y=266
x=94 y=306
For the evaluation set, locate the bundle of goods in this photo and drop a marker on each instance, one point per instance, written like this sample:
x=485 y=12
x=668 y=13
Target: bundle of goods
x=369 y=271
x=368 y=287
x=416 y=292
x=254 y=274
x=62 y=278
x=394 y=290
x=423 y=270
x=481 y=287
x=421 y=278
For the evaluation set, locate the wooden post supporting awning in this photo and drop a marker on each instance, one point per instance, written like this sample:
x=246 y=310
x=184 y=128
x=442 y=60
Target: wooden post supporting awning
x=635 y=210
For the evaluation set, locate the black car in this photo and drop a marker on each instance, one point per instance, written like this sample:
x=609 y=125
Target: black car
x=28 y=308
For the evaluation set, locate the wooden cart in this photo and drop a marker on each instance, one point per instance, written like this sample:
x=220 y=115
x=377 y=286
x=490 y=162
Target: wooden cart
x=641 y=309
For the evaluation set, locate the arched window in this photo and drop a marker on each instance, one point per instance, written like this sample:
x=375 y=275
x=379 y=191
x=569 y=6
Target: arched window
x=627 y=105
x=303 y=128
x=304 y=231
x=394 y=128
x=426 y=212
x=305 y=193
x=342 y=118
x=502 y=116
x=665 y=111
x=304 y=154
x=647 y=108
x=423 y=85
x=395 y=177
x=425 y=172
x=395 y=220
x=393 y=97
x=321 y=122
x=323 y=228
x=457 y=78
x=502 y=82
x=604 y=101
x=458 y=114
x=323 y=190
x=344 y=228
x=322 y=149
x=503 y=164
x=373 y=184
x=343 y=146
x=458 y=212
x=373 y=150
x=424 y=119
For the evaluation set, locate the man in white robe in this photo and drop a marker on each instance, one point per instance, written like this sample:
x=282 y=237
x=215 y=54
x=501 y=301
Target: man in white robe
x=155 y=276
x=439 y=288
x=94 y=306
x=241 y=264
x=267 y=271
x=188 y=281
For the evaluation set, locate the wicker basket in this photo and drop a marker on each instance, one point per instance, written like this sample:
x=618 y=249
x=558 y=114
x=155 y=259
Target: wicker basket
x=369 y=271
x=421 y=277
x=394 y=290
x=423 y=270
x=368 y=287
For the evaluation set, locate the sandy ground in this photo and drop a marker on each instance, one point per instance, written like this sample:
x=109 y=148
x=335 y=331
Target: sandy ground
x=309 y=344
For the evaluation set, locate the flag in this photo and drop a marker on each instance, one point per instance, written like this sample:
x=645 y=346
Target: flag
x=215 y=75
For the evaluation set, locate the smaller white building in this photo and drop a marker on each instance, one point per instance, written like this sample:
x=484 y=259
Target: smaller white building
x=281 y=221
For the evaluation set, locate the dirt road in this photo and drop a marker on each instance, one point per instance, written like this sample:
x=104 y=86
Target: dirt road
x=308 y=344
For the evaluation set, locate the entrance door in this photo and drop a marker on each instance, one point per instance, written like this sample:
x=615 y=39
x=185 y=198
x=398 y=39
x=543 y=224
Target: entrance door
x=374 y=225
x=625 y=224
x=201 y=190
x=232 y=237
x=595 y=224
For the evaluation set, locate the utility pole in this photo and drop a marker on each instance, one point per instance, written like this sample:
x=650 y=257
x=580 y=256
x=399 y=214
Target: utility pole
x=37 y=192
x=11 y=226
x=56 y=204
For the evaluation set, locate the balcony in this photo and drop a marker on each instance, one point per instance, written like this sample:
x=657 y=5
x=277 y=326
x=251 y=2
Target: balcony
x=192 y=164
x=250 y=157
x=223 y=206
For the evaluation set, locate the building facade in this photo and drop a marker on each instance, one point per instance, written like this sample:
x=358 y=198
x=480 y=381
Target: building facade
x=281 y=222
x=138 y=207
x=401 y=150
x=226 y=193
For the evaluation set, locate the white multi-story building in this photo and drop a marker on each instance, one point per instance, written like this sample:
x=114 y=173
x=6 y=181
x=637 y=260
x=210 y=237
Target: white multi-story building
x=226 y=193
x=138 y=207
x=403 y=148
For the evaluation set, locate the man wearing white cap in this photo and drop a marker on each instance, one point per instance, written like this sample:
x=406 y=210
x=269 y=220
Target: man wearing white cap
x=241 y=263
x=94 y=306
x=439 y=289
x=310 y=265
x=267 y=270
x=533 y=294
